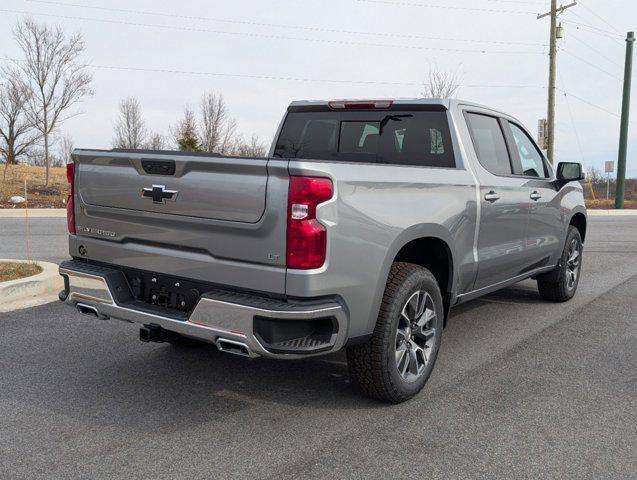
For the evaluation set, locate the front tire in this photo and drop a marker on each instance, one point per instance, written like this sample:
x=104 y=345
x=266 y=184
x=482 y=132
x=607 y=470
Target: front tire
x=396 y=362
x=560 y=285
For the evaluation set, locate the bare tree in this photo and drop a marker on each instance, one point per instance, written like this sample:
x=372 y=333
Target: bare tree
x=215 y=133
x=214 y=122
x=441 y=84
x=130 y=129
x=17 y=133
x=156 y=141
x=229 y=139
x=185 y=132
x=66 y=149
x=54 y=75
x=35 y=156
x=595 y=175
x=252 y=148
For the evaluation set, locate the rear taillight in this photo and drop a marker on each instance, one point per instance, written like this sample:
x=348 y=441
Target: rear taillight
x=306 y=236
x=70 y=204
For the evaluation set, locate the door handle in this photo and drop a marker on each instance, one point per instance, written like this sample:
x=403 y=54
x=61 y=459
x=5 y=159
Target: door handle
x=491 y=196
x=535 y=196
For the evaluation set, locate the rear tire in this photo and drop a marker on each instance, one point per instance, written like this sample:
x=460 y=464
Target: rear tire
x=560 y=285
x=396 y=362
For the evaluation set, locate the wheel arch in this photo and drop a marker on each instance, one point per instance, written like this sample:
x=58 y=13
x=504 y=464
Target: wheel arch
x=578 y=220
x=432 y=253
x=427 y=245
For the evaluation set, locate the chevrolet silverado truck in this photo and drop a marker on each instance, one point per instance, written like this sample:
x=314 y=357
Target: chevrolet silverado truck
x=367 y=222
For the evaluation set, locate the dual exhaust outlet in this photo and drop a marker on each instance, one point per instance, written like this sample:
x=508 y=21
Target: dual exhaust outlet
x=232 y=346
x=155 y=333
x=89 y=311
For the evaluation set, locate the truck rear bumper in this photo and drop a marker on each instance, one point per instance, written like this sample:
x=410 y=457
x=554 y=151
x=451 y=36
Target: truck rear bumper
x=239 y=323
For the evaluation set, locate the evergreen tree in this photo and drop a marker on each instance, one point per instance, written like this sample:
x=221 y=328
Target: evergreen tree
x=185 y=133
x=188 y=142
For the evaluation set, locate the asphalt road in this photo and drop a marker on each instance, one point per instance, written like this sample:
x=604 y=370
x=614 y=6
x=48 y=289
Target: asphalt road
x=49 y=239
x=522 y=389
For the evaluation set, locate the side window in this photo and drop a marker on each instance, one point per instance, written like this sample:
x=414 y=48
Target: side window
x=489 y=143
x=530 y=157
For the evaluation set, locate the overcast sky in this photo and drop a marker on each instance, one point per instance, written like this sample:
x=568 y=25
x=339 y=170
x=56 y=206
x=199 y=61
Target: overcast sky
x=266 y=53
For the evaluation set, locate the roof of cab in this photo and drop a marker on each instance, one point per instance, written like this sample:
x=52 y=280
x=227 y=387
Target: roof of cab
x=396 y=101
x=447 y=103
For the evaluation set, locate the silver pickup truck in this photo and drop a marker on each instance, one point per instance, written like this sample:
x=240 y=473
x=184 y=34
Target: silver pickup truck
x=368 y=221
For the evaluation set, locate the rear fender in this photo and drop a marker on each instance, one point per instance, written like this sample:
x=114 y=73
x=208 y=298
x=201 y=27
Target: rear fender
x=413 y=233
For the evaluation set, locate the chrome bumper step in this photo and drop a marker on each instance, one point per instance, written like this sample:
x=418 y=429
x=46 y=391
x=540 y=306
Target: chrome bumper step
x=225 y=319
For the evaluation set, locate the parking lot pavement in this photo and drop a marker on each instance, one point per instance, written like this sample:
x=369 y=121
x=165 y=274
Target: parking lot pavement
x=49 y=239
x=522 y=389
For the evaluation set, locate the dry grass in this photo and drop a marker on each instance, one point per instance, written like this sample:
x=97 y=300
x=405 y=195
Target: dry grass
x=630 y=195
x=609 y=204
x=53 y=196
x=15 y=270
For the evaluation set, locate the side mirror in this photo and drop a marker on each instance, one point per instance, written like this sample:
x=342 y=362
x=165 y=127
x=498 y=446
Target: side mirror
x=569 y=172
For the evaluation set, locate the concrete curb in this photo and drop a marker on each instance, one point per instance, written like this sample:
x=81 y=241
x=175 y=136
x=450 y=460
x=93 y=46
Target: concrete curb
x=33 y=212
x=24 y=292
x=599 y=213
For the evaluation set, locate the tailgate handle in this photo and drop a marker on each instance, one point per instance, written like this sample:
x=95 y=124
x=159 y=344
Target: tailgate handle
x=159 y=167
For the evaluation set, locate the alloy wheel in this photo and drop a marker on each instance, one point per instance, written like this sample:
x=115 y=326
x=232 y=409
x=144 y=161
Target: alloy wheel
x=573 y=263
x=415 y=335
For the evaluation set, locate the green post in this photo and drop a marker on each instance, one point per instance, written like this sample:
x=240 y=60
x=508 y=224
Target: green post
x=623 y=133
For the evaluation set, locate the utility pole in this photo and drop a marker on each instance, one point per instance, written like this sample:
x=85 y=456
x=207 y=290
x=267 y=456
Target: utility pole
x=623 y=132
x=555 y=10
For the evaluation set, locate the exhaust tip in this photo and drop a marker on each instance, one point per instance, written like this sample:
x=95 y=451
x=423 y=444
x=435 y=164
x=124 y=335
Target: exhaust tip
x=234 y=347
x=87 y=310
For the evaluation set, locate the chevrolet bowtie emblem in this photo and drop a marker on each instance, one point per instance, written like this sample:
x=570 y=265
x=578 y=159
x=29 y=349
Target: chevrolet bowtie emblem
x=159 y=194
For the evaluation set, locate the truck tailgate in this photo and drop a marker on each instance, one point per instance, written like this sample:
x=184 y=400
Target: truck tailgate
x=207 y=187
x=216 y=219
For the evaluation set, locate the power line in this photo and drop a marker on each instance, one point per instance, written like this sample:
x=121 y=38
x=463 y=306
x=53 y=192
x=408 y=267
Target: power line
x=593 y=29
x=598 y=52
x=274 y=36
x=584 y=29
x=317 y=80
x=570 y=113
x=278 y=25
x=518 y=2
x=599 y=17
x=591 y=64
x=583 y=100
x=448 y=7
x=277 y=77
x=550 y=117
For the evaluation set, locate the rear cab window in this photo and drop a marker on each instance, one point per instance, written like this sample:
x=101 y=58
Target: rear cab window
x=396 y=137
